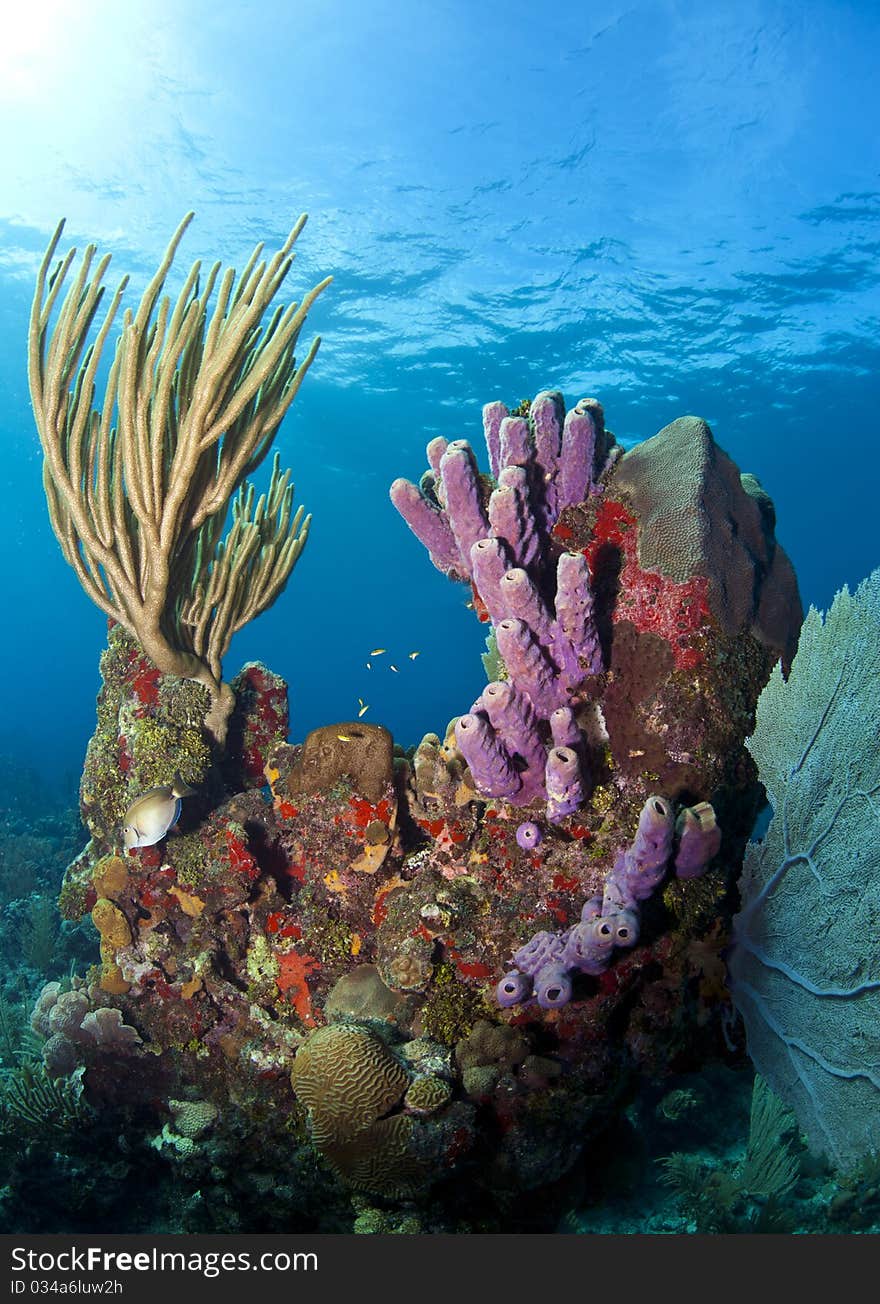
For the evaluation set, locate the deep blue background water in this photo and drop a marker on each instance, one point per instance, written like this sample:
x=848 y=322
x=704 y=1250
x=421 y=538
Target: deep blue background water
x=674 y=207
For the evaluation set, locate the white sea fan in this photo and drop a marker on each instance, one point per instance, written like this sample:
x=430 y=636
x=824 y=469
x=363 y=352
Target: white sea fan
x=805 y=968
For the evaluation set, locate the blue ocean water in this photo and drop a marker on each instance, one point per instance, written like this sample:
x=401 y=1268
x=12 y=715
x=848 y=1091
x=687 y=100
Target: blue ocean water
x=673 y=207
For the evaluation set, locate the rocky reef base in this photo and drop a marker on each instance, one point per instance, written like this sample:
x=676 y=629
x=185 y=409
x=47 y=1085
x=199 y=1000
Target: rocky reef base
x=296 y=1003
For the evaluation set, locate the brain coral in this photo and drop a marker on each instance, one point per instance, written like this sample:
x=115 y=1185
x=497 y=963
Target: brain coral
x=427 y=1095
x=349 y=1080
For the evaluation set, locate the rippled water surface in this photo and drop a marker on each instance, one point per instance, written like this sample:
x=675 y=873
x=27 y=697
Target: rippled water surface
x=673 y=207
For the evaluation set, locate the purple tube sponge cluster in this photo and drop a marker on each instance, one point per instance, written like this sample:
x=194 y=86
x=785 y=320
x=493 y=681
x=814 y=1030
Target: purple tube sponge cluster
x=544 y=966
x=494 y=532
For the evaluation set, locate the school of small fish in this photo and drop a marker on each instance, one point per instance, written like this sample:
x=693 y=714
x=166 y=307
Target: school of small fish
x=378 y=652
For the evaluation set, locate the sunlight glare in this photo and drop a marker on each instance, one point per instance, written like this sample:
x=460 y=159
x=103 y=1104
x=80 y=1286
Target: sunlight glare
x=35 y=39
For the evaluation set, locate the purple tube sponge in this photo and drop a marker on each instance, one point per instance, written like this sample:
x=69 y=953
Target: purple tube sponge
x=514 y=436
x=490 y=764
x=644 y=864
x=461 y=496
x=588 y=946
x=515 y=988
x=699 y=839
x=510 y=712
x=577 y=456
x=653 y=840
x=626 y=927
x=529 y=666
x=515 y=723
x=539 y=951
x=490 y=562
x=611 y=921
x=495 y=533
x=564 y=729
x=547 y=414
x=493 y=415
x=435 y=451
x=430 y=526
x=552 y=986
x=524 y=602
x=528 y=836
x=564 y=782
x=512 y=516
x=617 y=895
x=575 y=616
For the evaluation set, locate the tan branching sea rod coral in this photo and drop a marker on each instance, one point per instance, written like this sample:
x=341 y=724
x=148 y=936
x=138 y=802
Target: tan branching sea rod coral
x=139 y=489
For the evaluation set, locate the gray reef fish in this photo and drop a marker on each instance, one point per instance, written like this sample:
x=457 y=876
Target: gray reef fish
x=151 y=815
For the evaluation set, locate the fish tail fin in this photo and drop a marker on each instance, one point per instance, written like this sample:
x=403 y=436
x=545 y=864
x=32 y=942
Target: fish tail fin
x=181 y=789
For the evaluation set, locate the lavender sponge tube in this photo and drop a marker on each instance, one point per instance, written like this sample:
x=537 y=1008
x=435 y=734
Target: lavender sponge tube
x=699 y=839
x=515 y=988
x=644 y=864
x=461 y=496
x=565 y=788
x=489 y=762
x=430 y=527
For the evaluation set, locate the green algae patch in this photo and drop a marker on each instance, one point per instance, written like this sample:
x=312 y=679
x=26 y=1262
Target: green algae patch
x=452 y=1008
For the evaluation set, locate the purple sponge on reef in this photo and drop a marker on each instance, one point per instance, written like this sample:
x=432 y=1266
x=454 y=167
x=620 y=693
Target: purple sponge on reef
x=489 y=762
x=588 y=946
x=512 y=517
x=496 y=532
x=565 y=788
x=490 y=560
x=576 y=618
x=539 y=951
x=699 y=839
x=528 y=836
x=626 y=927
x=430 y=526
x=548 y=960
x=515 y=988
x=515 y=723
x=644 y=864
x=552 y=986
x=461 y=496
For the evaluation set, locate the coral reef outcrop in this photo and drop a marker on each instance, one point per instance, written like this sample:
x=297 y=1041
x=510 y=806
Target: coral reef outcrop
x=312 y=955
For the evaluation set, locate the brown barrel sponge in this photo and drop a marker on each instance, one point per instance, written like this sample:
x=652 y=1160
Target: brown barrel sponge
x=363 y=752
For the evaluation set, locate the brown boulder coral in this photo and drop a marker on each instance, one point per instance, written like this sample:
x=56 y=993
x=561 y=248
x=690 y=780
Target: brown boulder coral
x=700 y=516
x=364 y=752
